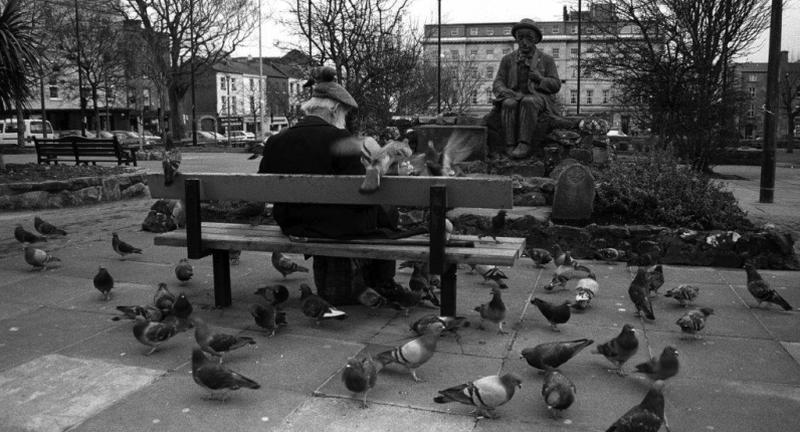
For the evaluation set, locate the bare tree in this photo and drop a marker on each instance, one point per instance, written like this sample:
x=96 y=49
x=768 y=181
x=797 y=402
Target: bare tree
x=370 y=44
x=219 y=27
x=789 y=95
x=461 y=81
x=674 y=59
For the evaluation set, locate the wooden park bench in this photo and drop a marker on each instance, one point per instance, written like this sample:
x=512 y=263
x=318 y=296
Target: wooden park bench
x=83 y=151
x=435 y=193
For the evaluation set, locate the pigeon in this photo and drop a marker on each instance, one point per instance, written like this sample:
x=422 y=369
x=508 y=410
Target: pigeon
x=153 y=333
x=38 y=258
x=103 y=282
x=568 y=272
x=148 y=312
x=655 y=278
x=24 y=236
x=459 y=147
x=610 y=254
x=360 y=374
x=551 y=355
x=163 y=299
x=492 y=273
x=377 y=160
x=494 y=311
x=694 y=320
x=371 y=298
x=121 y=247
x=666 y=366
x=415 y=352
x=184 y=270
x=485 y=394
x=684 y=294
x=46 y=228
x=539 y=256
x=555 y=314
x=585 y=290
x=496 y=226
x=645 y=417
x=182 y=308
x=420 y=281
x=268 y=317
x=285 y=265
x=217 y=344
x=560 y=257
x=318 y=308
x=620 y=349
x=638 y=292
x=761 y=290
x=403 y=299
x=558 y=392
x=216 y=378
x=274 y=294
x=423 y=324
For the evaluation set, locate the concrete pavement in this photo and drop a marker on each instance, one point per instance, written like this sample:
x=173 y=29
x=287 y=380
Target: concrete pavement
x=65 y=365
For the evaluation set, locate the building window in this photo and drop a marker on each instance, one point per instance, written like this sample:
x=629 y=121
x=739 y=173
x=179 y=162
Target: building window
x=233 y=104
x=573 y=53
x=506 y=51
x=454 y=54
x=574 y=29
x=752 y=78
x=224 y=104
x=222 y=83
x=253 y=106
x=573 y=96
x=233 y=84
x=605 y=96
x=473 y=71
x=489 y=72
x=146 y=97
x=473 y=31
x=556 y=53
x=589 y=95
x=53 y=87
x=752 y=111
x=473 y=54
x=454 y=32
x=489 y=32
x=474 y=96
x=489 y=94
x=574 y=72
x=752 y=91
x=252 y=86
x=506 y=30
x=556 y=29
x=489 y=54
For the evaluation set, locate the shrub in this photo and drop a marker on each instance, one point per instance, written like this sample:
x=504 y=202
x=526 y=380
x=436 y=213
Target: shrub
x=655 y=189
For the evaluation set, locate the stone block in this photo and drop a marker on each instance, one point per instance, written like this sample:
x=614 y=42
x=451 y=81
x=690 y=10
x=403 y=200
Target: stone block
x=565 y=163
x=33 y=199
x=111 y=190
x=136 y=190
x=89 y=194
x=574 y=196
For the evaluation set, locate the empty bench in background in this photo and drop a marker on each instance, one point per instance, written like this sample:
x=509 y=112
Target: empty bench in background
x=435 y=193
x=83 y=150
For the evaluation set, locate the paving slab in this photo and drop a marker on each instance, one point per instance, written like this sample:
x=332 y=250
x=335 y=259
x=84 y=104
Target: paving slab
x=55 y=392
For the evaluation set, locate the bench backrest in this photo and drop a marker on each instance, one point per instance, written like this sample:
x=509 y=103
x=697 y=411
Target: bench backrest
x=323 y=189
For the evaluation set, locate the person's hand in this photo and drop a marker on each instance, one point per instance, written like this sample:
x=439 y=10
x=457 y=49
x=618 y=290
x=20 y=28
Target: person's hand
x=535 y=76
x=507 y=93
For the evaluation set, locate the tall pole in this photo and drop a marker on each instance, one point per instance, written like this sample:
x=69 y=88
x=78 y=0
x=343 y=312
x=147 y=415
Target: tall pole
x=191 y=69
x=309 y=31
x=439 y=61
x=767 y=192
x=578 y=106
x=260 y=77
x=81 y=100
x=228 y=124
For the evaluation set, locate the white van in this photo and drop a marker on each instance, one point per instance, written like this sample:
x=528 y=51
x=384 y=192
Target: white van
x=33 y=128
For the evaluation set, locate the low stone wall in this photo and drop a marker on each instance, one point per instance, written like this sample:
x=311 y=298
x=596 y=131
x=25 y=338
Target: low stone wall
x=73 y=192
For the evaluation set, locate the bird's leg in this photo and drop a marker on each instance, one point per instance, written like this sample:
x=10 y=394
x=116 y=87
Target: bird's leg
x=486 y=413
x=414 y=375
x=364 y=403
x=620 y=371
x=151 y=351
x=554 y=327
x=500 y=328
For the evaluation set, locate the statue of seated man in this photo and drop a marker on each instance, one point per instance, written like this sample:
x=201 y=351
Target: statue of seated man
x=525 y=88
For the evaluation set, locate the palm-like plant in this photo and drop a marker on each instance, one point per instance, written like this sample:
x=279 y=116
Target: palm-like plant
x=17 y=58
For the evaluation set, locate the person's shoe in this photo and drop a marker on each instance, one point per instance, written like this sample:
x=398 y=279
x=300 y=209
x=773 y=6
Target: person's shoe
x=522 y=151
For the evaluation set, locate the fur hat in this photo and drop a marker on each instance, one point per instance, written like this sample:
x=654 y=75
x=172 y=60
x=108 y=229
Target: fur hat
x=325 y=86
x=527 y=23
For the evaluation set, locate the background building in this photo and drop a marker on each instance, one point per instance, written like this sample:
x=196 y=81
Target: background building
x=752 y=79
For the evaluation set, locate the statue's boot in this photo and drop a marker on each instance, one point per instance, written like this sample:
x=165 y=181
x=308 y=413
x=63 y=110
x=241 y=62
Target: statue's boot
x=521 y=151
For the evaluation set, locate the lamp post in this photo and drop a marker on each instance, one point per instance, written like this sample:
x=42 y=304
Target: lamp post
x=228 y=108
x=260 y=77
x=191 y=69
x=439 y=60
x=578 y=106
x=81 y=100
x=767 y=191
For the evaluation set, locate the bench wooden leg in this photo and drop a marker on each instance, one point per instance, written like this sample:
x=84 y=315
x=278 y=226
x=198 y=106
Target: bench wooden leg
x=222 y=278
x=448 y=299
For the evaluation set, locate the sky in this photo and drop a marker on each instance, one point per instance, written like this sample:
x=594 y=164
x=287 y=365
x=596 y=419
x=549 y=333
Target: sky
x=467 y=11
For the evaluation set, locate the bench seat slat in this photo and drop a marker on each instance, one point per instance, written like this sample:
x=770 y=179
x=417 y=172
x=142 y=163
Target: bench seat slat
x=399 y=191
x=503 y=254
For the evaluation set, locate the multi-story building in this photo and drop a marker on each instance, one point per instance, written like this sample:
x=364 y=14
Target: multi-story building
x=479 y=47
x=752 y=79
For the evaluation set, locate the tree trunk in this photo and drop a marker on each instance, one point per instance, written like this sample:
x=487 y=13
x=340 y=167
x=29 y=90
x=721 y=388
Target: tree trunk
x=790 y=135
x=20 y=125
x=96 y=111
x=175 y=118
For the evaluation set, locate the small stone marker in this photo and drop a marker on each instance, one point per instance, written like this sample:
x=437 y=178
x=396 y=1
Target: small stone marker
x=574 y=195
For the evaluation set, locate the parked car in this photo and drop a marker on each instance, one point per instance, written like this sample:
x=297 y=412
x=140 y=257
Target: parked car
x=31 y=128
x=151 y=139
x=239 y=135
x=127 y=137
x=616 y=133
x=74 y=132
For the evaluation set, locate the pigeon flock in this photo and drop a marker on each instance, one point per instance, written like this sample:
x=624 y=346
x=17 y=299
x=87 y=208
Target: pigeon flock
x=166 y=315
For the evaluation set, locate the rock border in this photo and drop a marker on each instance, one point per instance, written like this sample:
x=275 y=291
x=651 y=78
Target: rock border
x=73 y=192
